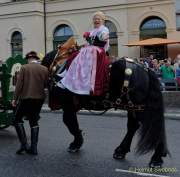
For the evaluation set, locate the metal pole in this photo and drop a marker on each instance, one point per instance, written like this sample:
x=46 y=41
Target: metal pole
x=45 y=36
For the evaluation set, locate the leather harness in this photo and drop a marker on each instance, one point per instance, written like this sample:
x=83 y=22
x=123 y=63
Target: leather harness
x=125 y=90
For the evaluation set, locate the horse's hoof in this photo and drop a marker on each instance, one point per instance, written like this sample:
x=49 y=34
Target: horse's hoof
x=119 y=156
x=73 y=148
x=119 y=153
x=155 y=164
x=70 y=150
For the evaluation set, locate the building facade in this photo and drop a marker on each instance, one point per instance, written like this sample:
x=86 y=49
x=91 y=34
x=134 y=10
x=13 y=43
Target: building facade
x=41 y=25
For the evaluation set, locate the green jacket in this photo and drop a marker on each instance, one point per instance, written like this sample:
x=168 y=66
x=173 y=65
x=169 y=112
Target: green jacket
x=167 y=72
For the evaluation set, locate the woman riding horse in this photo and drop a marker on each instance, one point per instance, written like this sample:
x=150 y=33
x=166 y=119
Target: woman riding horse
x=82 y=76
x=131 y=87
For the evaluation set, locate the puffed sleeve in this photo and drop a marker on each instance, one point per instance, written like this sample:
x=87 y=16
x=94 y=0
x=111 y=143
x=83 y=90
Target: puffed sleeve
x=104 y=36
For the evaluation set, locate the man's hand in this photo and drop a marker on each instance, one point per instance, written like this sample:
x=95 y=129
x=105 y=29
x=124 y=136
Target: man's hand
x=14 y=103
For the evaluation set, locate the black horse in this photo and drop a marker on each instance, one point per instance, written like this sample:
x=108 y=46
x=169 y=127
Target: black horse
x=134 y=88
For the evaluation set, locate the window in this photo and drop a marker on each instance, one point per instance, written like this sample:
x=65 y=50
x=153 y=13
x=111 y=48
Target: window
x=16 y=44
x=178 y=21
x=113 y=51
x=153 y=27
x=153 y=23
x=178 y=15
x=62 y=33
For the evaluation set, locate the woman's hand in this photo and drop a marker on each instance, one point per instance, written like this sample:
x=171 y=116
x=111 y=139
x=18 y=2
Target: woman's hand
x=86 y=35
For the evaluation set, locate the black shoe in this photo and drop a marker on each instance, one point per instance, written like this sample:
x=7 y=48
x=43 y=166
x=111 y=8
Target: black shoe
x=77 y=143
x=22 y=138
x=119 y=153
x=34 y=140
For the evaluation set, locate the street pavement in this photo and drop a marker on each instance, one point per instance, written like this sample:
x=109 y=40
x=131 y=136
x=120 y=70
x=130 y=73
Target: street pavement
x=102 y=134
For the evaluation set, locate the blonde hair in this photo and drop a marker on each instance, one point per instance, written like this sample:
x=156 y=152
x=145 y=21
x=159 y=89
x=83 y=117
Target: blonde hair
x=100 y=14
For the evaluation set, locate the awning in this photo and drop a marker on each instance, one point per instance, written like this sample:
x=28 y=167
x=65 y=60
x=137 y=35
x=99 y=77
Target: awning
x=152 y=41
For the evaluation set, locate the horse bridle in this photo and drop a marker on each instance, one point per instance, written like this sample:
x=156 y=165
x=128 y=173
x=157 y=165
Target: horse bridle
x=61 y=56
x=125 y=90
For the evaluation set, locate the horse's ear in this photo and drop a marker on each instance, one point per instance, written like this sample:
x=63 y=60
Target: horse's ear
x=59 y=46
x=69 y=43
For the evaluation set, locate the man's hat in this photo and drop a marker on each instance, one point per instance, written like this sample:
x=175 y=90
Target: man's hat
x=32 y=54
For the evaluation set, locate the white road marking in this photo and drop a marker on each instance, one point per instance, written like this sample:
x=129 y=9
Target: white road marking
x=138 y=173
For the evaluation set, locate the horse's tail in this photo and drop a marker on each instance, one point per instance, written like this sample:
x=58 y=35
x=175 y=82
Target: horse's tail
x=152 y=131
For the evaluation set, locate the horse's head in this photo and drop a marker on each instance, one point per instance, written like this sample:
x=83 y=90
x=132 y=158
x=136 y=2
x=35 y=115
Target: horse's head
x=64 y=52
x=67 y=48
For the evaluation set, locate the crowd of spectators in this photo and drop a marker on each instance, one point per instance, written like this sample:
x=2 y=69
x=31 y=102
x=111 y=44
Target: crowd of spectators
x=166 y=69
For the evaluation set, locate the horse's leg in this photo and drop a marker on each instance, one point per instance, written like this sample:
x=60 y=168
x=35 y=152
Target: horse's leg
x=71 y=121
x=124 y=147
x=156 y=159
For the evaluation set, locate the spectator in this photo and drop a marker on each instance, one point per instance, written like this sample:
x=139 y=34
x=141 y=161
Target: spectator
x=176 y=64
x=156 y=68
x=167 y=70
x=149 y=61
x=177 y=71
x=161 y=62
x=141 y=61
x=144 y=62
x=170 y=60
